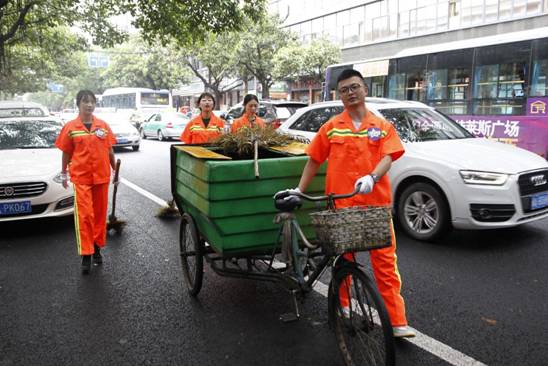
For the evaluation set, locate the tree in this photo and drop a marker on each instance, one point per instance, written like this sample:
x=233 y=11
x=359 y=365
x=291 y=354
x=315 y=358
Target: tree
x=258 y=46
x=135 y=64
x=212 y=60
x=319 y=54
x=289 y=62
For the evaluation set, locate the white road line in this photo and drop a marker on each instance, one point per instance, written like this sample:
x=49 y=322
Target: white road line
x=422 y=341
x=144 y=192
x=425 y=342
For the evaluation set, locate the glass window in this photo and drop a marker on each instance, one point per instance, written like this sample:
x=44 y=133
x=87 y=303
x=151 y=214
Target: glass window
x=539 y=75
x=505 y=9
x=396 y=86
x=519 y=8
x=403 y=28
x=534 y=7
x=491 y=10
x=427 y=17
x=500 y=79
x=380 y=27
x=442 y=16
x=312 y=121
x=423 y=125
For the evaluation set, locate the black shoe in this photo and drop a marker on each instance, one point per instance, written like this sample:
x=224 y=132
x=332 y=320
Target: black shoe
x=97 y=257
x=86 y=264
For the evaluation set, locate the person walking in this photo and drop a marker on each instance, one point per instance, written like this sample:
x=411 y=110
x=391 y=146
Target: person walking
x=205 y=127
x=249 y=117
x=87 y=143
x=359 y=148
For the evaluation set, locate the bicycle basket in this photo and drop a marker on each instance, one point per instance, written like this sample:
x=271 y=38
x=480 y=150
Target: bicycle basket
x=353 y=229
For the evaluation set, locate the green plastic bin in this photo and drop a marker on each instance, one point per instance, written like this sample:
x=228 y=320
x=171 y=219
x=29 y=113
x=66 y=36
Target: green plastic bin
x=232 y=208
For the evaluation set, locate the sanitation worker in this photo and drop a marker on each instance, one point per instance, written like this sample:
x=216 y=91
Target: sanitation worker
x=249 y=118
x=205 y=127
x=87 y=143
x=360 y=148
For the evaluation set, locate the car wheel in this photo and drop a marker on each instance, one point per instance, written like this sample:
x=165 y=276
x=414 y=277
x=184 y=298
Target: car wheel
x=161 y=136
x=135 y=147
x=143 y=134
x=422 y=212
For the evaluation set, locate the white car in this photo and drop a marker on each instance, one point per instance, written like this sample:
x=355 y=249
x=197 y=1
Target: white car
x=447 y=178
x=30 y=185
x=126 y=134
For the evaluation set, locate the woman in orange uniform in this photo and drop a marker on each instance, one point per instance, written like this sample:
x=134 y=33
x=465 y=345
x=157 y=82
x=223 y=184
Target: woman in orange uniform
x=249 y=118
x=86 y=143
x=207 y=126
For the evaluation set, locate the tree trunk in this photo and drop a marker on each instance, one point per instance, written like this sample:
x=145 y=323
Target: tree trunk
x=266 y=89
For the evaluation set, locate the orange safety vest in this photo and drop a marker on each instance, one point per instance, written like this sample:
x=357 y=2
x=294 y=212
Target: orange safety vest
x=243 y=121
x=89 y=150
x=352 y=153
x=197 y=133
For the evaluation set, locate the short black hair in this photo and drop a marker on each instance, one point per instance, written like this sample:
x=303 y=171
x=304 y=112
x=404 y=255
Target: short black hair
x=84 y=93
x=249 y=97
x=206 y=94
x=348 y=73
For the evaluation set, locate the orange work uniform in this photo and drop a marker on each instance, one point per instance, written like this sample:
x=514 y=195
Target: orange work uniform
x=196 y=131
x=351 y=154
x=89 y=170
x=243 y=121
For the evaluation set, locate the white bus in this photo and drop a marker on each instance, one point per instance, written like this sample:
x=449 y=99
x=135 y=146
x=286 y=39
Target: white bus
x=142 y=99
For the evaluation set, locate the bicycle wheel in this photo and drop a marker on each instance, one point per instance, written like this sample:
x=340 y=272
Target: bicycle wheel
x=192 y=257
x=363 y=330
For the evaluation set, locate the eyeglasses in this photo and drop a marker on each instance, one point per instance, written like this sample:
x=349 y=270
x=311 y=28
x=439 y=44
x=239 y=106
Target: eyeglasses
x=347 y=89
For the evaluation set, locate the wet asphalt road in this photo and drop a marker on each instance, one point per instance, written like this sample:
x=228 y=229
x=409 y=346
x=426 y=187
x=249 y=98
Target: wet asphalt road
x=481 y=293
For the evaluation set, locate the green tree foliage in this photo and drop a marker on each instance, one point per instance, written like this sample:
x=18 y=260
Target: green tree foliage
x=258 y=46
x=306 y=63
x=212 y=60
x=135 y=64
x=190 y=21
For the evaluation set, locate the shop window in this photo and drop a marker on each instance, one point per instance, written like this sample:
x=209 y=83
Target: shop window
x=396 y=86
x=539 y=73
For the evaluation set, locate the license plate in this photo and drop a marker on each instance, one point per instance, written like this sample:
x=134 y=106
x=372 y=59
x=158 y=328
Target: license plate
x=14 y=208
x=122 y=141
x=539 y=201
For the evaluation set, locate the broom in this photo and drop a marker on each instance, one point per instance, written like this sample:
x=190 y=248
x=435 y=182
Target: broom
x=169 y=211
x=113 y=222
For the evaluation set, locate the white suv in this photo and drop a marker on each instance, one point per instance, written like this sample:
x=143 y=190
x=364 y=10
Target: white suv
x=447 y=178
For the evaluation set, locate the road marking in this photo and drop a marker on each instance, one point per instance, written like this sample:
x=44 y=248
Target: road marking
x=421 y=340
x=425 y=342
x=144 y=192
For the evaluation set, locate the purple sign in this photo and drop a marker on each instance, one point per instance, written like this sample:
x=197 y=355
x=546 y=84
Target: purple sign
x=537 y=106
x=528 y=132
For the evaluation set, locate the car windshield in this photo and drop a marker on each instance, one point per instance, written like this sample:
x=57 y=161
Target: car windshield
x=21 y=112
x=28 y=134
x=423 y=125
x=284 y=112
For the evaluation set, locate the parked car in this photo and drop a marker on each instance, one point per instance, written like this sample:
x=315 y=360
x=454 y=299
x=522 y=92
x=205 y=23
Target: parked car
x=447 y=178
x=30 y=183
x=164 y=125
x=10 y=109
x=126 y=134
x=274 y=112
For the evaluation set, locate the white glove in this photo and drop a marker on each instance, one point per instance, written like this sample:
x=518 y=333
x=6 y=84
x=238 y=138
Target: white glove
x=287 y=192
x=366 y=184
x=64 y=180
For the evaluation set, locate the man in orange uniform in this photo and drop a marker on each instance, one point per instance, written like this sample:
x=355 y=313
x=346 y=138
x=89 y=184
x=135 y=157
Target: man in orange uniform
x=360 y=148
x=205 y=127
x=86 y=143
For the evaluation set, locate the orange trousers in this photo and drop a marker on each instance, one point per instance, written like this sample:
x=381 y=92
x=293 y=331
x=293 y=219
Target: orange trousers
x=90 y=216
x=385 y=269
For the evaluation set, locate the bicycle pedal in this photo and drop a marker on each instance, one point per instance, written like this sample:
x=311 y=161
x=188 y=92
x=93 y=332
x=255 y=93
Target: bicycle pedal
x=289 y=317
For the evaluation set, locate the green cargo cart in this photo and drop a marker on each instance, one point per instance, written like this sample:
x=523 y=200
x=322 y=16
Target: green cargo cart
x=230 y=220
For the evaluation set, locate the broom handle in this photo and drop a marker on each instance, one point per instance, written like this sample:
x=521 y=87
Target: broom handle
x=116 y=174
x=256 y=158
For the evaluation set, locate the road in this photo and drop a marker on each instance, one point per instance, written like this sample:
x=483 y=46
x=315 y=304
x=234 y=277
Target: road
x=478 y=297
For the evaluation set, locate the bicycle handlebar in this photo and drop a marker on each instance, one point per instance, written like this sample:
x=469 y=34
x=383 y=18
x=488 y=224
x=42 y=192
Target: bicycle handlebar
x=288 y=200
x=328 y=196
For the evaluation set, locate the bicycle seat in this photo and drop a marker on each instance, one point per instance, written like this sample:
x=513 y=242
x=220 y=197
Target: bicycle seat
x=287 y=203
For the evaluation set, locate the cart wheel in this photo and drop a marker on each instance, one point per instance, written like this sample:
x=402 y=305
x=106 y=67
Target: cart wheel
x=192 y=255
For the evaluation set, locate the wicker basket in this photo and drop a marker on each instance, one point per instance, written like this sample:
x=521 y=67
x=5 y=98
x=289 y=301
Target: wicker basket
x=353 y=229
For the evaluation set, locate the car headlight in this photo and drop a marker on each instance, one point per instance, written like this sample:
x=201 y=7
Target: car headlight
x=484 y=178
x=59 y=177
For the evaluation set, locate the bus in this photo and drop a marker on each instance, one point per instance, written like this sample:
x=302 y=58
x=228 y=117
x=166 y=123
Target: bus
x=141 y=99
x=495 y=86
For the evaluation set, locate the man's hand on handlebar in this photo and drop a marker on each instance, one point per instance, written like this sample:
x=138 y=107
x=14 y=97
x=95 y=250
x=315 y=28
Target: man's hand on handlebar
x=287 y=193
